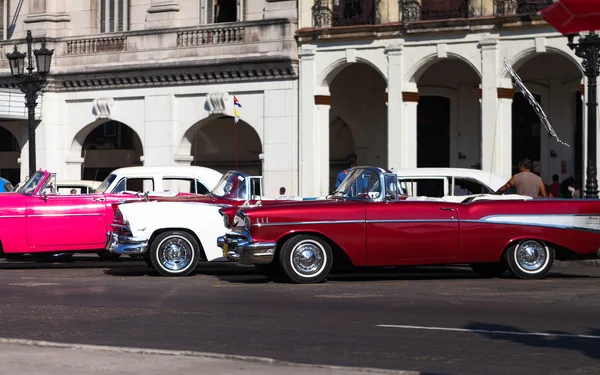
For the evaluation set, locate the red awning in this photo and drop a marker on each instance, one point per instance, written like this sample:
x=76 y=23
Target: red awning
x=573 y=16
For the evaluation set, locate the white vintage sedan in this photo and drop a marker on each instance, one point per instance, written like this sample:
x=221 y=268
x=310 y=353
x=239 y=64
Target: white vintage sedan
x=174 y=235
x=451 y=183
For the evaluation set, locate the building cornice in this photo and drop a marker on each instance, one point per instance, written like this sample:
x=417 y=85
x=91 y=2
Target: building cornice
x=257 y=69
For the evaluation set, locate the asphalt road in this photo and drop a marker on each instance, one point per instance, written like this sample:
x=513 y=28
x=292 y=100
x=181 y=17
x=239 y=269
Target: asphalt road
x=434 y=320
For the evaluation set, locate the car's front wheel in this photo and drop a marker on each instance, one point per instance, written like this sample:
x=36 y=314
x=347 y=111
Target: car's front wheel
x=174 y=253
x=529 y=259
x=306 y=259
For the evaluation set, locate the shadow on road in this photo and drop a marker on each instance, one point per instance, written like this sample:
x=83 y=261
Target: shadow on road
x=587 y=346
x=73 y=263
x=235 y=273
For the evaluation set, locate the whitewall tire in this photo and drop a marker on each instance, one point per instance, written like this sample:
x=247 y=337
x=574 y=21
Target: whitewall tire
x=306 y=259
x=174 y=253
x=529 y=259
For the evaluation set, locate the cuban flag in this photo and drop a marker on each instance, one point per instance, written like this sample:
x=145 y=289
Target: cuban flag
x=236 y=103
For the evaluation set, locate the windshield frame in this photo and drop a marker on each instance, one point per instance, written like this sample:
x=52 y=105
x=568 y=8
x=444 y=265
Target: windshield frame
x=219 y=187
x=340 y=192
x=101 y=189
x=27 y=189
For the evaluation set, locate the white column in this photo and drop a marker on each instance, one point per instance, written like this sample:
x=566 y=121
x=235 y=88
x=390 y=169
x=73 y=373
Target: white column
x=496 y=115
x=52 y=141
x=408 y=139
x=322 y=104
x=308 y=164
x=158 y=125
x=395 y=105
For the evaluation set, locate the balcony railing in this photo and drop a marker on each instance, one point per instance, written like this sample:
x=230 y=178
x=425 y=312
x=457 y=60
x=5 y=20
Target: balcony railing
x=430 y=10
x=334 y=13
x=519 y=7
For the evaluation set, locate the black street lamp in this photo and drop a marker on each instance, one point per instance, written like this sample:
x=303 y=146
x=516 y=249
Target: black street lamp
x=588 y=48
x=30 y=84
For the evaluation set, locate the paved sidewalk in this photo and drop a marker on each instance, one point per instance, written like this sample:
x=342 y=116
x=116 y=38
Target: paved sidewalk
x=47 y=358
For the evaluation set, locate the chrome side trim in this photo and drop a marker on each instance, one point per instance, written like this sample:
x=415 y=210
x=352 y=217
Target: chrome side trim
x=64 y=215
x=414 y=221
x=12 y=216
x=310 y=223
x=327 y=222
x=542 y=225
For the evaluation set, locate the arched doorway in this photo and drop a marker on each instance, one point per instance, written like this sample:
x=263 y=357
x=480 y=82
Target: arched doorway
x=433 y=132
x=448 y=115
x=217 y=142
x=358 y=116
x=9 y=155
x=554 y=80
x=109 y=146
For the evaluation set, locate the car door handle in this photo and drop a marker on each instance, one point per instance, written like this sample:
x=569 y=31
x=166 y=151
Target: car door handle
x=447 y=209
x=98 y=199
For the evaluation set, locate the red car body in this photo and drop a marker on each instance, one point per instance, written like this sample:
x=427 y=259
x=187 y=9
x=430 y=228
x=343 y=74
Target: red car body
x=396 y=231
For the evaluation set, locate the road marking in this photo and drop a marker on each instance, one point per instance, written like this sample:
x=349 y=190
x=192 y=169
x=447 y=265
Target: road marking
x=32 y=284
x=516 y=333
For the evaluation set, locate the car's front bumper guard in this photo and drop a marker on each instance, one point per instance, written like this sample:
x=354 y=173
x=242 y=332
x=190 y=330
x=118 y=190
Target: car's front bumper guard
x=124 y=244
x=244 y=251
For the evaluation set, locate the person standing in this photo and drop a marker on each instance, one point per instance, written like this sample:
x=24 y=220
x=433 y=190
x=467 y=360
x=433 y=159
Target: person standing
x=555 y=187
x=351 y=161
x=526 y=182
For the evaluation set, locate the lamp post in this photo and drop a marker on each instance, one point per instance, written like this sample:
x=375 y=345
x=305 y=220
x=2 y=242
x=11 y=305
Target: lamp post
x=588 y=48
x=30 y=84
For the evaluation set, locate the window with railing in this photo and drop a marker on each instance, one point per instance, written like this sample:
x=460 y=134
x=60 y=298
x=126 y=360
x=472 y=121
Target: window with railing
x=327 y=13
x=113 y=16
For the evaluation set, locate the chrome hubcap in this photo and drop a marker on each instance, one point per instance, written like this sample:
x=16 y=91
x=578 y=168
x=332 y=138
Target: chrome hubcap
x=175 y=253
x=308 y=258
x=531 y=255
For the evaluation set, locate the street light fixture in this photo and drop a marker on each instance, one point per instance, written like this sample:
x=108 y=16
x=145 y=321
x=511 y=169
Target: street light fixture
x=588 y=48
x=30 y=84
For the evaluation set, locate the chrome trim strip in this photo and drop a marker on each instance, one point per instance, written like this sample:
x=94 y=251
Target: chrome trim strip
x=64 y=215
x=543 y=225
x=309 y=223
x=11 y=216
x=414 y=221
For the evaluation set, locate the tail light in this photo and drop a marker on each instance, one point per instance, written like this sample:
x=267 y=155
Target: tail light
x=118 y=215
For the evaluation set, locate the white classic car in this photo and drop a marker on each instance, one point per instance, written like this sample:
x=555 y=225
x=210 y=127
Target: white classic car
x=453 y=184
x=178 y=178
x=173 y=236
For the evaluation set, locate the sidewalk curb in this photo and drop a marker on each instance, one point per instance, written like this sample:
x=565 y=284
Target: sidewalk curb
x=186 y=353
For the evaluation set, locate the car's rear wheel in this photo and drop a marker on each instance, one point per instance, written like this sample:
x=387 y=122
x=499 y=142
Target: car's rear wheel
x=489 y=269
x=306 y=259
x=529 y=259
x=174 y=253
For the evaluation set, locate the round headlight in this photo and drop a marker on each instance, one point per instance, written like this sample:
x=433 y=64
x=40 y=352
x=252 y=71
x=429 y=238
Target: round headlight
x=226 y=221
x=247 y=222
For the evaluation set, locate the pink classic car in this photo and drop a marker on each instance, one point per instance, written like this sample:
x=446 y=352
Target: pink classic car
x=36 y=219
x=365 y=222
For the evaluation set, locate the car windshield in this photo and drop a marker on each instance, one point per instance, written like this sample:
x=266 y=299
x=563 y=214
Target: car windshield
x=106 y=183
x=233 y=185
x=359 y=184
x=30 y=186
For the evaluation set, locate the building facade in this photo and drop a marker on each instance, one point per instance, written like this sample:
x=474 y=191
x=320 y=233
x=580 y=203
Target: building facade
x=422 y=83
x=152 y=82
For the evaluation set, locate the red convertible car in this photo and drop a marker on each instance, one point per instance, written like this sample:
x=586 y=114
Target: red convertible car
x=367 y=223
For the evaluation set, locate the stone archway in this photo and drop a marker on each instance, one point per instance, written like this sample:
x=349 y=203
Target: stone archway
x=555 y=81
x=107 y=146
x=448 y=115
x=219 y=143
x=358 y=92
x=10 y=152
